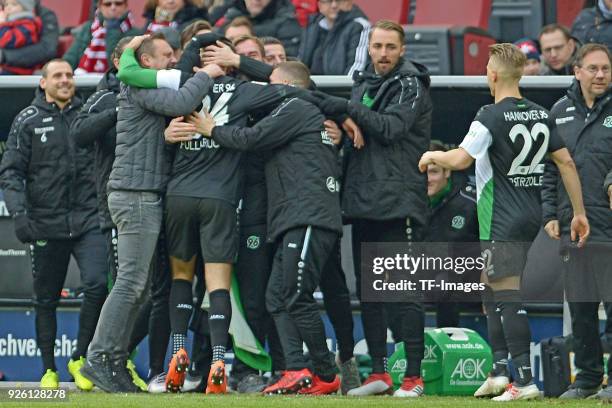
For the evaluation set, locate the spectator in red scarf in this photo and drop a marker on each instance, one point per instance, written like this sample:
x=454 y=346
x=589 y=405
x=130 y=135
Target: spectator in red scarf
x=177 y=14
x=19 y=27
x=96 y=40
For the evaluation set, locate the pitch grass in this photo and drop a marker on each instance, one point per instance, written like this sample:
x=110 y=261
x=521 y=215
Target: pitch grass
x=100 y=400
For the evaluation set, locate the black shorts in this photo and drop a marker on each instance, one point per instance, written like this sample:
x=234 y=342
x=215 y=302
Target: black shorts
x=504 y=259
x=206 y=224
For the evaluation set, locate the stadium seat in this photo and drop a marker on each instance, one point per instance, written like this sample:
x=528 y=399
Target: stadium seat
x=137 y=7
x=450 y=37
x=473 y=13
x=562 y=11
x=69 y=15
x=395 y=10
x=64 y=43
x=512 y=20
x=448 y=50
x=429 y=46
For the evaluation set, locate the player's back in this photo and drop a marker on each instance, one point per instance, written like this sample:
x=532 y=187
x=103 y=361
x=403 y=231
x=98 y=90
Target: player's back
x=509 y=175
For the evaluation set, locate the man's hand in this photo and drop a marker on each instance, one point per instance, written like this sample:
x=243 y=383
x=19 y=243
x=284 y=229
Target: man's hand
x=552 y=229
x=220 y=54
x=426 y=160
x=22 y=228
x=333 y=131
x=212 y=70
x=136 y=41
x=580 y=229
x=203 y=122
x=179 y=131
x=330 y=105
x=354 y=132
x=2 y=15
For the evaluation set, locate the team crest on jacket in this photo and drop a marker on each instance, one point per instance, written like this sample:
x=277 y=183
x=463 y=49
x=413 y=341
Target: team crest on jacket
x=458 y=222
x=608 y=122
x=253 y=242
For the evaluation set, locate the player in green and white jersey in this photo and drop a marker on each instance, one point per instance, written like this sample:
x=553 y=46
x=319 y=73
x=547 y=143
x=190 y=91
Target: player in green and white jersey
x=509 y=141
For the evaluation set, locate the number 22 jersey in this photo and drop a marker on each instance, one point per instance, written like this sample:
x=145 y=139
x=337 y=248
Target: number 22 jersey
x=509 y=141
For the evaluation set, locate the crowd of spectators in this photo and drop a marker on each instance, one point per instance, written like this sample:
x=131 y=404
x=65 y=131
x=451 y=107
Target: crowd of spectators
x=329 y=36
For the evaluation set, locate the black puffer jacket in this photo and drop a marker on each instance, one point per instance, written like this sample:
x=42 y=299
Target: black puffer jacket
x=302 y=169
x=592 y=27
x=339 y=51
x=454 y=217
x=382 y=180
x=142 y=160
x=95 y=126
x=44 y=174
x=588 y=136
x=276 y=20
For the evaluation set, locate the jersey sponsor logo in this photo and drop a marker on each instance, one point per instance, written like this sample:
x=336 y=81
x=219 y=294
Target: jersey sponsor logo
x=525 y=116
x=47 y=120
x=216 y=317
x=458 y=222
x=292 y=245
x=561 y=121
x=570 y=109
x=608 y=122
x=39 y=131
x=253 y=242
x=332 y=185
x=184 y=306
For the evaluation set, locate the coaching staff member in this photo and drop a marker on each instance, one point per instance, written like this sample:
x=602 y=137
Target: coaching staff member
x=384 y=195
x=49 y=187
x=303 y=221
x=137 y=183
x=584 y=121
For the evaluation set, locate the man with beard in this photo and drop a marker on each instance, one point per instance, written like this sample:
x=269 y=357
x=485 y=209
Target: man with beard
x=303 y=222
x=384 y=196
x=137 y=184
x=50 y=192
x=508 y=180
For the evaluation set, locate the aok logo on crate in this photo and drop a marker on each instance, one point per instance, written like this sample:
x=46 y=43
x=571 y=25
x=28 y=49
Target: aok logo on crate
x=469 y=369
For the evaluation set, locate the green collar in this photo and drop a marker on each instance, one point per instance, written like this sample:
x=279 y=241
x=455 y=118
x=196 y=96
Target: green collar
x=439 y=196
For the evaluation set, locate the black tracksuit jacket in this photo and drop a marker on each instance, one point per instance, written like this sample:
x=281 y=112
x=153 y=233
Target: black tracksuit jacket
x=587 y=134
x=301 y=170
x=46 y=175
